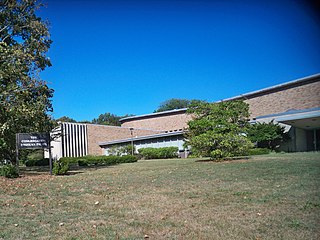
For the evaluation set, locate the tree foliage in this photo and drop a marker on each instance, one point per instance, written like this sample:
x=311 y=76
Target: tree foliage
x=66 y=119
x=267 y=135
x=109 y=119
x=25 y=99
x=122 y=150
x=173 y=103
x=217 y=130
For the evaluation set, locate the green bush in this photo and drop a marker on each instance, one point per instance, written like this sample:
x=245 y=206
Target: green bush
x=82 y=162
x=159 y=153
x=60 y=168
x=9 y=171
x=259 y=151
x=121 y=150
x=98 y=160
x=41 y=162
x=230 y=146
x=267 y=135
x=35 y=154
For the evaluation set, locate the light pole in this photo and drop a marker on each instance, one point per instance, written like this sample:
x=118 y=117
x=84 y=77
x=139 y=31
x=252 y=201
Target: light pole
x=132 y=150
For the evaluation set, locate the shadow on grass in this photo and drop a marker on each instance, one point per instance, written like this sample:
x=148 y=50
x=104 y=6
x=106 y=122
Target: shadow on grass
x=242 y=158
x=45 y=170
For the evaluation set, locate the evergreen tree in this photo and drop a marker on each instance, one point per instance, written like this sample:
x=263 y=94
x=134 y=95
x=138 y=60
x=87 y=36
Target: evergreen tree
x=218 y=130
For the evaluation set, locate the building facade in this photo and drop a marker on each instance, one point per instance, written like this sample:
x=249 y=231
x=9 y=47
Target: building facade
x=79 y=139
x=295 y=105
x=168 y=139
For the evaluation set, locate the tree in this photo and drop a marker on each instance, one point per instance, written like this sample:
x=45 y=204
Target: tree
x=109 y=119
x=267 y=135
x=66 y=119
x=173 y=103
x=25 y=99
x=218 y=130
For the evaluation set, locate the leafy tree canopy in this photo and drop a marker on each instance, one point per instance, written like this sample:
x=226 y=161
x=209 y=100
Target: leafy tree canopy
x=267 y=135
x=109 y=119
x=218 y=129
x=25 y=99
x=173 y=103
x=104 y=119
x=66 y=119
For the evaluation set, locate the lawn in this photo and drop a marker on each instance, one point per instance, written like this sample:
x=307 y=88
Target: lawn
x=274 y=196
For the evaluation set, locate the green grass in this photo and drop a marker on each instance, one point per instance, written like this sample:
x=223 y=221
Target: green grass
x=274 y=196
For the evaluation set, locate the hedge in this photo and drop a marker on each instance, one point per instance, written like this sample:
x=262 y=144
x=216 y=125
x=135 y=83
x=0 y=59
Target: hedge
x=159 y=153
x=99 y=160
x=62 y=166
x=41 y=162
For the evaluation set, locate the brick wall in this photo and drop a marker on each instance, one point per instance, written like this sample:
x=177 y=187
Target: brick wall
x=102 y=133
x=300 y=97
x=175 y=121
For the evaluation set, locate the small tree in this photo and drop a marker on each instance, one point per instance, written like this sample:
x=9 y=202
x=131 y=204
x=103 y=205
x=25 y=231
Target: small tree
x=267 y=135
x=218 y=129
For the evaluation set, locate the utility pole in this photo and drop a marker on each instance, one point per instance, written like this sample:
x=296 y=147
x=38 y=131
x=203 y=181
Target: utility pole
x=132 y=150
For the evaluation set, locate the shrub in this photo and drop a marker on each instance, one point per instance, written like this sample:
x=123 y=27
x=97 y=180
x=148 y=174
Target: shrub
x=70 y=160
x=41 y=162
x=127 y=150
x=60 y=168
x=121 y=150
x=98 y=160
x=267 y=135
x=35 y=154
x=148 y=153
x=218 y=130
x=109 y=160
x=9 y=171
x=159 y=153
x=82 y=162
x=231 y=146
x=259 y=151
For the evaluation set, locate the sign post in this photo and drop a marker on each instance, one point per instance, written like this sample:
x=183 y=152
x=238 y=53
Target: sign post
x=33 y=141
x=50 y=157
x=17 y=153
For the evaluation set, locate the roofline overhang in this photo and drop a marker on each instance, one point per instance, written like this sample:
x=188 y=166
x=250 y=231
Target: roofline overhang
x=290 y=84
x=128 y=140
x=292 y=112
x=314 y=114
x=111 y=126
x=181 y=110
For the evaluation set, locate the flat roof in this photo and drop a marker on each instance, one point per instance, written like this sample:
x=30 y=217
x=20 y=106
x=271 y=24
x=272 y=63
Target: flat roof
x=310 y=111
x=303 y=115
x=161 y=135
x=111 y=126
x=297 y=82
x=154 y=114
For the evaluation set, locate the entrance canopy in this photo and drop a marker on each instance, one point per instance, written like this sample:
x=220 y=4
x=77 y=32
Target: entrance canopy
x=306 y=127
x=305 y=120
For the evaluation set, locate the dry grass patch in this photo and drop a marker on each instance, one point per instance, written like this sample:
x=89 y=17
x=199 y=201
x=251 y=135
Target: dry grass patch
x=266 y=197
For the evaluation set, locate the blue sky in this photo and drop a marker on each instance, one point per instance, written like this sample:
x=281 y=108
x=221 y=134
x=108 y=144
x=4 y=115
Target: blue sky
x=129 y=56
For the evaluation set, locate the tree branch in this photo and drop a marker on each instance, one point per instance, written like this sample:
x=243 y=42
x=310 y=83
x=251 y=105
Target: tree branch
x=4 y=28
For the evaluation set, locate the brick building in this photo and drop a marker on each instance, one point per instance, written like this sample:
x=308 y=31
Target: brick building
x=295 y=104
